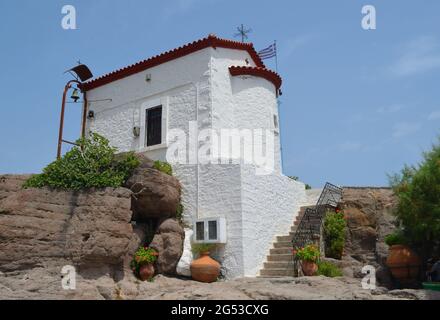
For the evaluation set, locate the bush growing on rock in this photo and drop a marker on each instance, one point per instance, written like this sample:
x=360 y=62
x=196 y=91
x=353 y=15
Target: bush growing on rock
x=90 y=164
x=334 y=233
x=328 y=269
x=164 y=167
x=418 y=211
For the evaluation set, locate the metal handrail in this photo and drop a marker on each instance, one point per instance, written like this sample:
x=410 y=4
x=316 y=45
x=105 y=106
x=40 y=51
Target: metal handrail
x=305 y=233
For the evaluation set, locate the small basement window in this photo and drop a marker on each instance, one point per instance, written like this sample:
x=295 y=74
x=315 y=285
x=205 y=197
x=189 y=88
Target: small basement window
x=153 y=126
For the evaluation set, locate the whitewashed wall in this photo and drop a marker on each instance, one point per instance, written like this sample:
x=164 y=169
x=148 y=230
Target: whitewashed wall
x=199 y=87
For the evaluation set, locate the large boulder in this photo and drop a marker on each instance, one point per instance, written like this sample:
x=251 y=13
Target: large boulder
x=155 y=194
x=88 y=228
x=369 y=219
x=168 y=241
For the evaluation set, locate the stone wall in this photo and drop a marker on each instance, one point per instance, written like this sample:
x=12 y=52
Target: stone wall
x=92 y=229
x=369 y=218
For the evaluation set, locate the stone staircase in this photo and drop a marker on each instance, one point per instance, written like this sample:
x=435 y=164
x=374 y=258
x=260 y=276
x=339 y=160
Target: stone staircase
x=280 y=260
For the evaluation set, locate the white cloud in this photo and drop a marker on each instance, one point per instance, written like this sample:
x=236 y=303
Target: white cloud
x=402 y=129
x=420 y=55
x=435 y=115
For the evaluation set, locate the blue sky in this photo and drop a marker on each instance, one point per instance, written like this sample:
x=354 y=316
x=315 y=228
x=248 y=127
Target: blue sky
x=356 y=104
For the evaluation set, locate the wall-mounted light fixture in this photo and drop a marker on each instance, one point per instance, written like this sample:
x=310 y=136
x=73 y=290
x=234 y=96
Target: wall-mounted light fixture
x=136 y=131
x=148 y=77
x=91 y=114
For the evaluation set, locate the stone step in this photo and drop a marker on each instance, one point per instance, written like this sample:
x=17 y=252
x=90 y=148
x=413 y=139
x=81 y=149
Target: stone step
x=281 y=251
x=280 y=257
x=278 y=265
x=283 y=244
x=277 y=273
x=284 y=238
x=310 y=221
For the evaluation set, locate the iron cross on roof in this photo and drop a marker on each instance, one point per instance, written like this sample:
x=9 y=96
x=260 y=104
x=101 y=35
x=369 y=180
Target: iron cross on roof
x=242 y=32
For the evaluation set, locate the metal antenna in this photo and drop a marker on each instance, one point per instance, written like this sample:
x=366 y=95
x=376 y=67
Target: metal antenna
x=242 y=32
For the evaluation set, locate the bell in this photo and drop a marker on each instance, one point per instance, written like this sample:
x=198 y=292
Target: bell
x=75 y=95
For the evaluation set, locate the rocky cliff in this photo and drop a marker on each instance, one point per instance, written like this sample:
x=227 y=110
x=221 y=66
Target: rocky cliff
x=368 y=212
x=95 y=231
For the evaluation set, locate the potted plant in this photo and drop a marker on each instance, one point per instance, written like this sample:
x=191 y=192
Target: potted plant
x=309 y=256
x=204 y=269
x=142 y=263
x=402 y=261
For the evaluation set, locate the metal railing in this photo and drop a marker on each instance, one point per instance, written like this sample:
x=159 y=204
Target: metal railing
x=309 y=228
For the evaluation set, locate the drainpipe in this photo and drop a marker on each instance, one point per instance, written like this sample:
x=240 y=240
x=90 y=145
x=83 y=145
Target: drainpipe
x=84 y=116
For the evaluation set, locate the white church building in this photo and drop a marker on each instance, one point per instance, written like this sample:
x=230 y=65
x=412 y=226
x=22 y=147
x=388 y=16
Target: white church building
x=178 y=107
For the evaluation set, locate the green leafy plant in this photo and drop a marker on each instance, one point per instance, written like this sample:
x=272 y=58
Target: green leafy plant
x=295 y=178
x=309 y=253
x=395 y=238
x=179 y=213
x=328 y=269
x=198 y=248
x=143 y=256
x=334 y=234
x=90 y=164
x=418 y=210
x=164 y=167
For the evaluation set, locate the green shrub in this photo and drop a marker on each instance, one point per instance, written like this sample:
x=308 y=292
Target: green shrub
x=90 y=164
x=179 y=213
x=164 y=167
x=418 y=210
x=308 y=253
x=395 y=238
x=198 y=248
x=334 y=234
x=295 y=178
x=328 y=269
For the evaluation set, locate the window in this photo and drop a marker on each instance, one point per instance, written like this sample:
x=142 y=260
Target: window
x=153 y=126
x=210 y=230
x=200 y=231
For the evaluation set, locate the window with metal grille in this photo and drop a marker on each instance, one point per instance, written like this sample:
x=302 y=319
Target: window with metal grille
x=153 y=126
x=200 y=230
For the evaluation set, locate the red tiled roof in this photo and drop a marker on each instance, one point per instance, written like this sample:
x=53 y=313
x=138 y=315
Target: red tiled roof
x=257 y=72
x=210 y=41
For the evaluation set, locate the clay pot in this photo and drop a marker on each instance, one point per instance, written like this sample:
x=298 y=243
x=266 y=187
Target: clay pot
x=205 y=269
x=146 y=271
x=309 y=268
x=403 y=263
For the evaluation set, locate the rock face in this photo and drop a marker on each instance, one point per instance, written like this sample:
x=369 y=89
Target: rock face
x=168 y=241
x=91 y=230
x=40 y=284
x=38 y=226
x=369 y=219
x=10 y=183
x=155 y=194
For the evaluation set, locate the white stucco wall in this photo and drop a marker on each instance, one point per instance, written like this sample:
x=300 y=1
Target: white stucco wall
x=199 y=88
x=270 y=204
